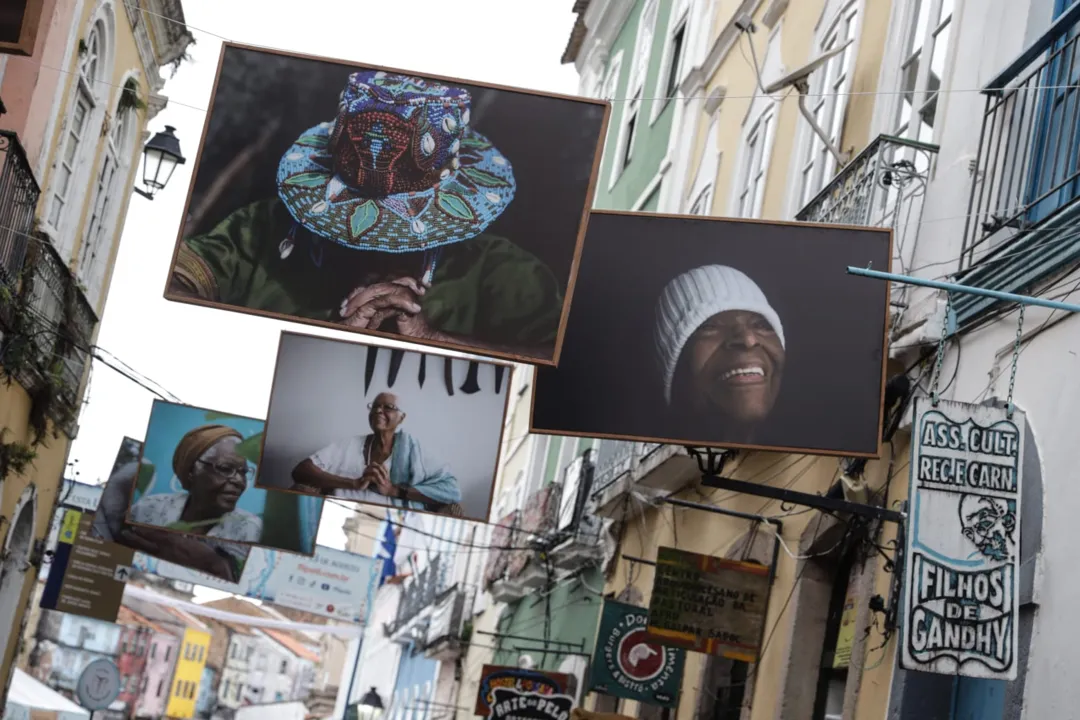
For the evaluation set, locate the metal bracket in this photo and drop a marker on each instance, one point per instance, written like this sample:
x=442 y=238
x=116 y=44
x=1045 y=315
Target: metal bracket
x=710 y=461
x=819 y=502
x=964 y=289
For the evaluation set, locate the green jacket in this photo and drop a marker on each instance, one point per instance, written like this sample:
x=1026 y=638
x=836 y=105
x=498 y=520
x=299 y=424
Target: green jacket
x=484 y=288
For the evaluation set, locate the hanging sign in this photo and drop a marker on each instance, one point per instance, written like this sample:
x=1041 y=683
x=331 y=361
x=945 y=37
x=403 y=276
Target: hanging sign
x=963 y=552
x=708 y=604
x=522 y=681
x=627 y=664
x=83 y=575
x=845 y=638
x=511 y=704
x=99 y=684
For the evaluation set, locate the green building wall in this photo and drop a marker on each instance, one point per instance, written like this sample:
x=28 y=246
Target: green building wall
x=652 y=140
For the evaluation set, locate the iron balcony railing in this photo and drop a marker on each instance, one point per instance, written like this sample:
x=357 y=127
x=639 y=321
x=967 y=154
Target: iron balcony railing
x=1026 y=194
x=882 y=186
x=19 y=194
x=61 y=330
x=614 y=459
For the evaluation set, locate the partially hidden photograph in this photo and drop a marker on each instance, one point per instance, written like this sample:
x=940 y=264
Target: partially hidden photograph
x=384 y=426
x=724 y=333
x=196 y=478
x=439 y=211
x=223 y=560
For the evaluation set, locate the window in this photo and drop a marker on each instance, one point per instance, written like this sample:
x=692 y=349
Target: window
x=153 y=650
x=78 y=143
x=96 y=245
x=627 y=151
x=925 y=48
x=703 y=202
x=828 y=101
x=168 y=652
x=160 y=687
x=225 y=691
x=284 y=667
x=755 y=166
x=674 y=51
x=675 y=63
x=643 y=47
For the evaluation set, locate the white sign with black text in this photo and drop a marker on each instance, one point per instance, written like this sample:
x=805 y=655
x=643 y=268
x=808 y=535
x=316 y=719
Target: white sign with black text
x=962 y=568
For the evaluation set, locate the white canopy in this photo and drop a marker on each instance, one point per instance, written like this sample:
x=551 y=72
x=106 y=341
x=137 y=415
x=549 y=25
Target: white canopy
x=26 y=694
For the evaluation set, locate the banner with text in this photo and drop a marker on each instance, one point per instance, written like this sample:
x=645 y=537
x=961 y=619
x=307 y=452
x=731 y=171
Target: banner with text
x=708 y=604
x=627 y=664
x=963 y=549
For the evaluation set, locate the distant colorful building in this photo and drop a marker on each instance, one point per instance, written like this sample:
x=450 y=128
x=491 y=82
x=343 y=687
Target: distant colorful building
x=136 y=635
x=188 y=675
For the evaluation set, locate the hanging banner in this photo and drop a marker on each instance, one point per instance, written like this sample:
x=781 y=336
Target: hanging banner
x=708 y=604
x=511 y=704
x=963 y=551
x=521 y=681
x=87 y=574
x=845 y=638
x=627 y=664
x=333 y=583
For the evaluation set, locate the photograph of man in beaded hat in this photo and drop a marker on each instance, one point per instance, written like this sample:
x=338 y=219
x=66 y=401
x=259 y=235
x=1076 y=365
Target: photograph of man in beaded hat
x=440 y=212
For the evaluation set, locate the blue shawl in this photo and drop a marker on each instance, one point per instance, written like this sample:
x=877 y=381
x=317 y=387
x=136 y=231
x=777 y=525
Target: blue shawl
x=408 y=468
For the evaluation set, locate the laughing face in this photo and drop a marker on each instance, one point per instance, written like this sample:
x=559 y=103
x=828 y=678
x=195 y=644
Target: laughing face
x=736 y=362
x=219 y=477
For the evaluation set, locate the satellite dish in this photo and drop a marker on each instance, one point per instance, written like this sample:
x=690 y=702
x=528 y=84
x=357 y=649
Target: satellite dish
x=800 y=76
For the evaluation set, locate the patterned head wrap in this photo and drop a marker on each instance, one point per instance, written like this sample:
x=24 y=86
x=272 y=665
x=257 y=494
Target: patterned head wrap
x=194 y=444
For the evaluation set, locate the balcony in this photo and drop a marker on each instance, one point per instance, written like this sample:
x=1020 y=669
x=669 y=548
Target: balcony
x=882 y=186
x=46 y=323
x=1025 y=200
x=19 y=195
x=630 y=475
x=445 y=640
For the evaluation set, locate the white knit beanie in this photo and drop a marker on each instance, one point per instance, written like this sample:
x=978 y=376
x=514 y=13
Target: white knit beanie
x=694 y=297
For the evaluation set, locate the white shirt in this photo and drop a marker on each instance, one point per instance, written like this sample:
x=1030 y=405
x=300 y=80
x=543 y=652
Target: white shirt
x=345 y=458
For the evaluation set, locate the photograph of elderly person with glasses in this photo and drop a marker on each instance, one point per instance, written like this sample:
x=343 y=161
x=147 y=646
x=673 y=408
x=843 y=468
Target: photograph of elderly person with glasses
x=386 y=466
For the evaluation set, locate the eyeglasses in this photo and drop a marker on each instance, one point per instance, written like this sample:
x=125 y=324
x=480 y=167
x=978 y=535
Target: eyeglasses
x=385 y=407
x=227 y=471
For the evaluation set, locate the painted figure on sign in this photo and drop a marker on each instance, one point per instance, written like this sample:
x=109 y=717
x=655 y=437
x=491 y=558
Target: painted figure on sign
x=380 y=224
x=989 y=523
x=385 y=467
x=720 y=347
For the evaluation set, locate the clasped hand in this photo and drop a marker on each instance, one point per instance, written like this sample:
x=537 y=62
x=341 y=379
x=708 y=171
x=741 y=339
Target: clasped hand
x=376 y=478
x=369 y=306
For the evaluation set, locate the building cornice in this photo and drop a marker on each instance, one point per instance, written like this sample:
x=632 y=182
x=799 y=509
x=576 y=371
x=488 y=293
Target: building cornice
x=603 y=20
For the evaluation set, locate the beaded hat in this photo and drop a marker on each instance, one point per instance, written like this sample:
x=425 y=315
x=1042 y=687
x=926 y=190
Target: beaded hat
x=398 y=170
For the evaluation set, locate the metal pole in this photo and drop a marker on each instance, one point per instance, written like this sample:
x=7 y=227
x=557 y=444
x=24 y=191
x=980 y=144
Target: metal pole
x=352 y=678
x=723 y=511
x=968 y=289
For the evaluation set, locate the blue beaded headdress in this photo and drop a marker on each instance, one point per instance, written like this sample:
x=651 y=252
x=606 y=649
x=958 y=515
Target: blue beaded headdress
x=398 y=170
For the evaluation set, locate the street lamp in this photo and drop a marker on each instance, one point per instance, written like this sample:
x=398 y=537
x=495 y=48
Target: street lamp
x=370 y=706
x=160 y=158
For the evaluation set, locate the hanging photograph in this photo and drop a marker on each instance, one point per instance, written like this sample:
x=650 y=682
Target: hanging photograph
x=222 y=560
x=384 y=426
x=444 y=212
x=728 y=333
x=196 y=477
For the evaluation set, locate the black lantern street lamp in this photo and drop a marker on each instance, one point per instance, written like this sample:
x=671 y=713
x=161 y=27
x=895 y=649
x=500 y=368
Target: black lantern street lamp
x=160 y=158
x=370 y=706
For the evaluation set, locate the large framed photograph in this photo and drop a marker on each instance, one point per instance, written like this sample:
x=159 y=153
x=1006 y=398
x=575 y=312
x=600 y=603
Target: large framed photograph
x=225 y=561
x=382 y=426
x=196 y=477
x=726 y=333
x=445 y=212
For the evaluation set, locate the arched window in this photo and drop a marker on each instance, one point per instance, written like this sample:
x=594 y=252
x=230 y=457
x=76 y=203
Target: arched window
x=90 y=91
x=101 y=221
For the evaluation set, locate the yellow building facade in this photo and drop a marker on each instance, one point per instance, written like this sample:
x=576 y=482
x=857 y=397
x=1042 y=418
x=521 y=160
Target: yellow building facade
x=184 y=691
x=57 y=259
x=743 y=152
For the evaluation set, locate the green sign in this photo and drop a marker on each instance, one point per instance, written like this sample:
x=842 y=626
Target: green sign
x=627 y=664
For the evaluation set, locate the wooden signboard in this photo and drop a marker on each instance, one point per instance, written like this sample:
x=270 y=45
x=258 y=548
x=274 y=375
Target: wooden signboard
x=708 y=604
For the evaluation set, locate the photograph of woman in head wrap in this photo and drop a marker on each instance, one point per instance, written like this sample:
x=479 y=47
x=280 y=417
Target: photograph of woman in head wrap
x=221 y=559
x=197 y=478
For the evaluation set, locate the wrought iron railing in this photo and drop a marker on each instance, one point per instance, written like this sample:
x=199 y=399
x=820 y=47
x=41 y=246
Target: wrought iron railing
x=1027 y=170
x=19 y=194
x=59 y=329
x=614 y=459
x=420 y=592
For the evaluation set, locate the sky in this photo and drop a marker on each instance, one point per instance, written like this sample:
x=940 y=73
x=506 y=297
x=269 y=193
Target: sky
x=225 y=360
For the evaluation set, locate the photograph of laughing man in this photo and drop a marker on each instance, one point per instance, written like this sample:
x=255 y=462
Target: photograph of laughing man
x=720 y=352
